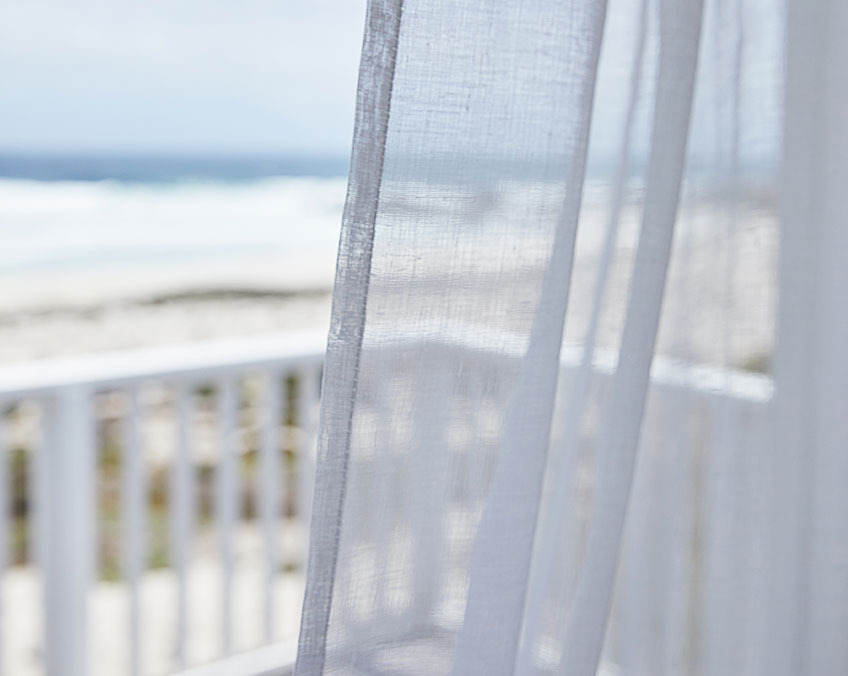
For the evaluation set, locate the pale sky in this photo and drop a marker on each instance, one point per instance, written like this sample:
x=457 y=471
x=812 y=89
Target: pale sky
x=271 y=76
x=217 y=76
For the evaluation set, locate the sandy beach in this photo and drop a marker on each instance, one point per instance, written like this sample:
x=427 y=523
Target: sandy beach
x=81 y=312
x=108 y=265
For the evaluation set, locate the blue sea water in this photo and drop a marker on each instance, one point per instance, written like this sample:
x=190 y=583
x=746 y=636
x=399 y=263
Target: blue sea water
x=166 y=169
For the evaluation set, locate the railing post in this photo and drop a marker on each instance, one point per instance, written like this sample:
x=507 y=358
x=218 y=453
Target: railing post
x=182 y=502
x=228 y=501
x=5 y=505
x=69 y=517
x=134 y=487
x=271 y=496
x=307 y=405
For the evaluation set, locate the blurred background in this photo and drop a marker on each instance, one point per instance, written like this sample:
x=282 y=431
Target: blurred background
x=172 y=177
x=171 y=174
x=170 y=171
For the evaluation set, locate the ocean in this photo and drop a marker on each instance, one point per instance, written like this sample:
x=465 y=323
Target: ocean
x=65 y=214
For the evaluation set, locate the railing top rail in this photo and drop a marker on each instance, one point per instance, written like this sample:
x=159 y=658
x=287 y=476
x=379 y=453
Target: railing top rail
x=673 y=374
x=191 y=361
x=196 y=361
x=666 y=373
x=275 y=659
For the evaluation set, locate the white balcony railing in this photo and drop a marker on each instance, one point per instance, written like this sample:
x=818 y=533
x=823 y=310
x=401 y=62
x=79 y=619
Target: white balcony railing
x=158 y=500
x=205 y=448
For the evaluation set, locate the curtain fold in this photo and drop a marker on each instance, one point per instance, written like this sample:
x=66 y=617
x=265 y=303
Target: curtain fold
x=809 y=590
x=680 y=28
x=374 y=93
x=500 y=565
x=550 y=441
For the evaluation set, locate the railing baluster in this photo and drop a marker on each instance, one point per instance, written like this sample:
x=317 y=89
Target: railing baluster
x=271 y=494
x=307 y=397
x=38 y=500
x=33 y=488
x=70 y=510
x=227 y=502
x=676 y=475
x=720 y=636
x=429 y=449
x=181 y=525
x=134 y=492
x=638 y=556
x=4 y=528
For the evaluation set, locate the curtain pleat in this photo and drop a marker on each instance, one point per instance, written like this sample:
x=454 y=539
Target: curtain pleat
x=376 y=77
x=550 y=442
x=808 y=591
x=563 y=455
x=680 y=27
x=503 y=543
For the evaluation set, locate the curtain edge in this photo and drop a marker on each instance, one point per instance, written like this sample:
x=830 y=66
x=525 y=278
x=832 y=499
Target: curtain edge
x=347 y=324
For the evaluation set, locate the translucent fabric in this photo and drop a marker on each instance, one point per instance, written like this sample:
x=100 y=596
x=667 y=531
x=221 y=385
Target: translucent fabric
x=550 y=439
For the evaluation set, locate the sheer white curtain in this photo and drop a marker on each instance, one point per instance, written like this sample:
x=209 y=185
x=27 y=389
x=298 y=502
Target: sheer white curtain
x=550 y=438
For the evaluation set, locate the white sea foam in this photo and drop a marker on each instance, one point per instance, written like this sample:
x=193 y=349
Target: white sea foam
x=84 y=242
x=65 y=225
